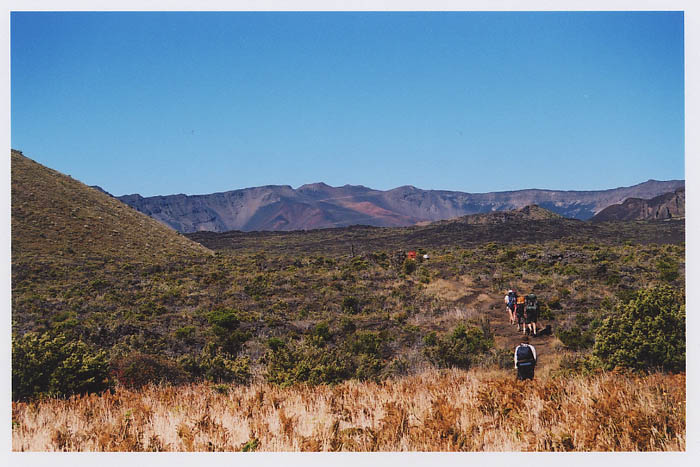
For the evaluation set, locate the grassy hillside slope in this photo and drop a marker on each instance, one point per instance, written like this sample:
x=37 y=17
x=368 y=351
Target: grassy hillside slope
x=58 y=219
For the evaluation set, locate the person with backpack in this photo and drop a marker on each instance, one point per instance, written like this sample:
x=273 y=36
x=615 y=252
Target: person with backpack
x=531 y=312
x=510 y=300
x=520 y=312
x=525 y=359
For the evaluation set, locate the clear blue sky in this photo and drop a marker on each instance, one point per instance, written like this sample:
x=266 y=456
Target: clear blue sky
x=164 y=103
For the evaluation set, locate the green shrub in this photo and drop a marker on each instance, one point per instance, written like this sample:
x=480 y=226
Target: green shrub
x=347 y=325
x=301 y=363
x=645 y=333
x=545 y=313
x=224 y=324
x=409 y=266
x=554 y=303
x=367 y=342
x=224 y=318
x=322 y=331
x=351 y=305
x=221 y=367
x=52 y=365
x=507 y=256
x=458 y=349
x=424 y=275
x=258 y=287
x=668 y=269
x=368 y=367
x=185 y=333
x=576 y=339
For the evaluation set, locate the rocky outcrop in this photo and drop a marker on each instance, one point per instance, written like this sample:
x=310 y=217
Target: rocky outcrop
x=666 y=206
x=528 y=213
x=319 y=205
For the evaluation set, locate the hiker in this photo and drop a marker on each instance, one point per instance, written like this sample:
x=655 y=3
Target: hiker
x=531 y=312
x=510 y=299
x=525 y=359
x=520 y=312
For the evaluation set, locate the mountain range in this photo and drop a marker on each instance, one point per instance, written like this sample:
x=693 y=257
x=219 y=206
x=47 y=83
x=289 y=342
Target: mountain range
x=666 y=206
x=317 y=205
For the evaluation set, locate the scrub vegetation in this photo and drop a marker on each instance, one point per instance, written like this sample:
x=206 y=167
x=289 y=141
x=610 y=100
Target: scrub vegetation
x=128 y=336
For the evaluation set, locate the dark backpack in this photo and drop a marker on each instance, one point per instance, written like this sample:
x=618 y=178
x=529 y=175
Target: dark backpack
x=525 y=356
x=531 y=302
x=512 y=298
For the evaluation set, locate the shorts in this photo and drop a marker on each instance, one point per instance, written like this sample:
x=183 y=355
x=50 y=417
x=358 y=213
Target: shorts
x=531 y=318
x=526 y=372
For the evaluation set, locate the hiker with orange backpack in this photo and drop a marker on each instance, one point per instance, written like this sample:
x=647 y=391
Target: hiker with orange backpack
x=520 y=312
x=525 y=359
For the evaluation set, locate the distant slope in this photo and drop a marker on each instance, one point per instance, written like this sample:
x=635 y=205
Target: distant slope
x=56 y=217
x=528 y=213
x=667 y=206
x=321 y=206
x=529 y=225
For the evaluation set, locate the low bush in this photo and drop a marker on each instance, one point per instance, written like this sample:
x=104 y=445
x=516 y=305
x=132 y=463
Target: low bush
x=52 y=365
x=575 y=338
x=223 y=318
x=457 y=349
x=668 y=268
x=646 y=333
x=351 y=305
x=138 y=369
x=221 y=367
x=289 y=364
x=409 y=266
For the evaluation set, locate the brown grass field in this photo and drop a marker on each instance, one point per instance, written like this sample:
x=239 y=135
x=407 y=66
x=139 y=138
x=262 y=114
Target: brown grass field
x=448 y=410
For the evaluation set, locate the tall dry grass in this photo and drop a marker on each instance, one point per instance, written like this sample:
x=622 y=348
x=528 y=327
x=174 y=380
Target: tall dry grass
x=479 y=410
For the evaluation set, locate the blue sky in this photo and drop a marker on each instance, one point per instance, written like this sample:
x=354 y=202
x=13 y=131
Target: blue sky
x=163 y=103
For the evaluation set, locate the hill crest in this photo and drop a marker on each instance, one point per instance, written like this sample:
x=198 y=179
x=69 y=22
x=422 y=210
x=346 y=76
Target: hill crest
x=57 y=217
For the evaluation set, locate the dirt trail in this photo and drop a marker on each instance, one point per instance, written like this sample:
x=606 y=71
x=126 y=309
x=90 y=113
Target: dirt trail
x=474 y=302
x=507 y=335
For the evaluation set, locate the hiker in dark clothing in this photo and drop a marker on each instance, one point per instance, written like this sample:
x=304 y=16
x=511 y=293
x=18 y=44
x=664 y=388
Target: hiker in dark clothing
x=531 y=312
x=525 y=359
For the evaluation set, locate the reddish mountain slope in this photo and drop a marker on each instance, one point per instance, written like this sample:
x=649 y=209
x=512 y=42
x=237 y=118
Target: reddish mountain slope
x=321 y=206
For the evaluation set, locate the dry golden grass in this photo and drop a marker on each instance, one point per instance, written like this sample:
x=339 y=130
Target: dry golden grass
x=451 y=410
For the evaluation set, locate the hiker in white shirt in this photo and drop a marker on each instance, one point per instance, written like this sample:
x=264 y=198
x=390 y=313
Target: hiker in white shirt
x=525 y=358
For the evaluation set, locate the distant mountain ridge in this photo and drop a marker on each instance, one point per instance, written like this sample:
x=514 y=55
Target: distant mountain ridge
x=666 y=206
x=317 y=205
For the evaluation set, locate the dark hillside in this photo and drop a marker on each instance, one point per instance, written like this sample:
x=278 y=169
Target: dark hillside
x=537 y=225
